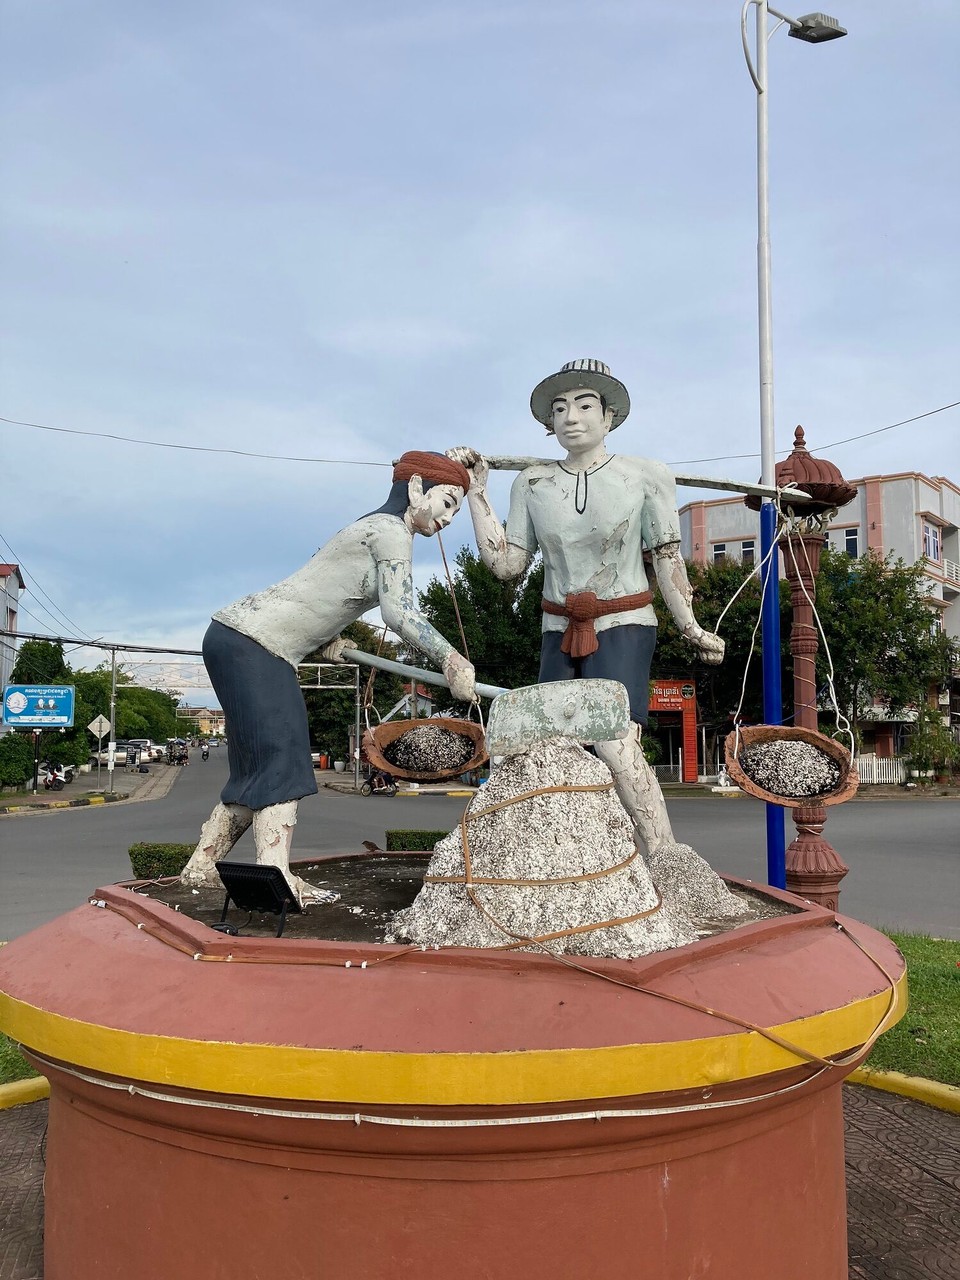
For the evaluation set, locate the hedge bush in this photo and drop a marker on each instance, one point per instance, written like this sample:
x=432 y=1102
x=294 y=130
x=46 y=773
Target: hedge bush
x=414 y=840
x=16 y=759
x=153 y=861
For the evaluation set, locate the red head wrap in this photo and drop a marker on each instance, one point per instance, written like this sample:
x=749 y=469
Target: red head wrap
x=435 y=467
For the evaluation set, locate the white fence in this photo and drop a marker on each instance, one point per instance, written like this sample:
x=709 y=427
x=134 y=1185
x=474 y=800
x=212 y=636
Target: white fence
x=880 y=770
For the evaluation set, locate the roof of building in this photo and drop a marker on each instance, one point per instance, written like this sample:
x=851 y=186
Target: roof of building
x=7 y=570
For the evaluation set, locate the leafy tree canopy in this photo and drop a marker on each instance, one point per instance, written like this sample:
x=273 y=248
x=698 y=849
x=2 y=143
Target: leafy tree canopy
x=140 y=713
x=501 y=621
x=719 y=687
x=880 y=632
x=40 y=662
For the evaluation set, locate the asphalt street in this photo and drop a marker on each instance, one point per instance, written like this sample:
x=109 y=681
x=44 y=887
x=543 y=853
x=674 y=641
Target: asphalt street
x=904 y=855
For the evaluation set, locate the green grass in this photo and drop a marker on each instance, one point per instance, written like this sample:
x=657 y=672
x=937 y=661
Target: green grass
x=925 y=1042
x=13 y=1065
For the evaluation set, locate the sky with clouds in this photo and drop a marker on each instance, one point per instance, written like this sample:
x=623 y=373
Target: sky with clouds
x=329 y=233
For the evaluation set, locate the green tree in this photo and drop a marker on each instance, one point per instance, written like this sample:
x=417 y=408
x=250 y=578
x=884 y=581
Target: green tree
x=16 y=759
x=880 y=633
x=501 y=621
x=719 y=687
x=40 y=662
x=43 y=662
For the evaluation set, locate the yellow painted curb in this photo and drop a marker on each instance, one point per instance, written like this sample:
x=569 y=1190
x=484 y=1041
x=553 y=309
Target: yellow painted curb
x=21 y=1091
x=409 y=793
x=944 y=1096
x=96 y=800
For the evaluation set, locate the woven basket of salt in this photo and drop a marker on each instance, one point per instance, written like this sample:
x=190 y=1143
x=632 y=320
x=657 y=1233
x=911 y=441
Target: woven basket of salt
x=431 y=750
x=788 y=766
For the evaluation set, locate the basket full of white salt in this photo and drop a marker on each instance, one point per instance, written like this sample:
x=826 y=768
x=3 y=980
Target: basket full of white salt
x=790 y=766
x=431 y=750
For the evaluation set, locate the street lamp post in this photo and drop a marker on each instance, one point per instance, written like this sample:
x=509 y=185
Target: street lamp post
x=814 y=28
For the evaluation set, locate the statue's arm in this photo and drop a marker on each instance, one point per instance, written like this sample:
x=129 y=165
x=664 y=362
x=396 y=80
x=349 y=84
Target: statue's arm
x=399 y=612
x=504 y=559
x=678 y=596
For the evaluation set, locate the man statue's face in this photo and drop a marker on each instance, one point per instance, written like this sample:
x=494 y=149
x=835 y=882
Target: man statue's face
x=580 y=421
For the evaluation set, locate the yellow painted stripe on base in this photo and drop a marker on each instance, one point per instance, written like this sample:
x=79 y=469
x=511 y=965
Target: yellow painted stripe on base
x=18 y=1092
x=96 y=800
x=935 y=1094
x=440 y=1079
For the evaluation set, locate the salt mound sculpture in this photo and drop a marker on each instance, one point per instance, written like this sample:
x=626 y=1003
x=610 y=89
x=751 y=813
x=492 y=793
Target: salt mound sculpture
x=549 y=823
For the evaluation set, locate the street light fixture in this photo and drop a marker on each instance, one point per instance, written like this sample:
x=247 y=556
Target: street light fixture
x=813 y=28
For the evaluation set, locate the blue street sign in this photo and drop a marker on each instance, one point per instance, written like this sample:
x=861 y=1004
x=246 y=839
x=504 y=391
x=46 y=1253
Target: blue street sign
x=38 y=706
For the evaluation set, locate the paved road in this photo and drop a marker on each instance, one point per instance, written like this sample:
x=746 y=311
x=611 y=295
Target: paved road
x=904 y=855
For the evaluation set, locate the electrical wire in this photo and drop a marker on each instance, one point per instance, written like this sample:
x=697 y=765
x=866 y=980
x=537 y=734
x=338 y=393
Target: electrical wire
x=355 y=462
x=190 y=448
x=63 y=619
x=821 y=448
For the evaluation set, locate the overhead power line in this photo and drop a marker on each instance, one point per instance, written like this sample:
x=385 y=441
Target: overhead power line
x=356 y=462
x=191 y=448
x=38 y=590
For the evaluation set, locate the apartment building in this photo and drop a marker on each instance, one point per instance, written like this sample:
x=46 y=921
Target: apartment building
x=914 y=517
x=11 y=585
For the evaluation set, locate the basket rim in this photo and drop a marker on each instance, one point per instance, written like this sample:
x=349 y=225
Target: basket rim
x=395 y=729
x=846 y=786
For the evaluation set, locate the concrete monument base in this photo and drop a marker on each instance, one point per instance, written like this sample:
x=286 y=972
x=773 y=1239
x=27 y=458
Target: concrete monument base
x=246 y=1108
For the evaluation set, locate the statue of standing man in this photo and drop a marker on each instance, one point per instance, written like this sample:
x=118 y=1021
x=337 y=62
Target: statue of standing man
x=593 y=515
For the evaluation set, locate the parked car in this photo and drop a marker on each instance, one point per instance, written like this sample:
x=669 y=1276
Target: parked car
x=119 y=758
x=148 y=749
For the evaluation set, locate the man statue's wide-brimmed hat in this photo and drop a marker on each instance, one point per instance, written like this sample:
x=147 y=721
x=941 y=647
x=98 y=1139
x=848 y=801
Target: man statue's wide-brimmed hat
x=580 y=373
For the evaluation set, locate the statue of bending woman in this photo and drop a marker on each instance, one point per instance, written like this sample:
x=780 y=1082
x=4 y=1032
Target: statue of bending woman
x=252 y=648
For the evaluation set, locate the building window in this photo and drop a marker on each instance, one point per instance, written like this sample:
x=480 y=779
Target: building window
x=931 y=542
x=850 y=543
x=748 y=551
x=719 y=551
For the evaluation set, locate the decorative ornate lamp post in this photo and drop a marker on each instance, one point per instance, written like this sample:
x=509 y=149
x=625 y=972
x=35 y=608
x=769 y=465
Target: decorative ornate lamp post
x=814 y=868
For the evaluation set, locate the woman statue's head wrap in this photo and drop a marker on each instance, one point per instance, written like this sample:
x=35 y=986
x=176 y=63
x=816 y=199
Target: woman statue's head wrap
x=432 y=468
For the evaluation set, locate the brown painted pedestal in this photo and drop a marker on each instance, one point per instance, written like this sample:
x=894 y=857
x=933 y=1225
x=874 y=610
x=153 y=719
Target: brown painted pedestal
x=229 y=1107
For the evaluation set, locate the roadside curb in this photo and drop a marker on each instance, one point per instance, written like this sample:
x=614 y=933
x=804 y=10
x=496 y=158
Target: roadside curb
x=20 y=1092
x=42 y=805
x=946 y=1097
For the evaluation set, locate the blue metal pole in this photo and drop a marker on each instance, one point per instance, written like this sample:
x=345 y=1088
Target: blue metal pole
x=772 y=691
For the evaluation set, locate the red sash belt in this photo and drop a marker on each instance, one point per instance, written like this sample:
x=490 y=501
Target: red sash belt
x=583 y=608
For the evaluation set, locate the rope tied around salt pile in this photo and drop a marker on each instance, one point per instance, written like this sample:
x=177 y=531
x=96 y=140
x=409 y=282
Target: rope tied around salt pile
x=469 y=880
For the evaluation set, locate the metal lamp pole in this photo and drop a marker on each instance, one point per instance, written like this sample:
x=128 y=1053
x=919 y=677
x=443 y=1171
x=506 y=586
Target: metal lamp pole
x=813 y=28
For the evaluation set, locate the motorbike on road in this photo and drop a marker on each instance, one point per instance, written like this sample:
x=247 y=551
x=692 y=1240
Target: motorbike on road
x=55 y=776
x=379 y=784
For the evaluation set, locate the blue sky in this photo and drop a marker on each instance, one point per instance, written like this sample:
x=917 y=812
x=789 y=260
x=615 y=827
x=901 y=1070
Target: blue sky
x=336 y=232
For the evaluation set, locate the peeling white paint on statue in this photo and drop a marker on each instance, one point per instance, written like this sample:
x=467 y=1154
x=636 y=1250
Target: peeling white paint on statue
x=592 y=515
x=253 y=646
